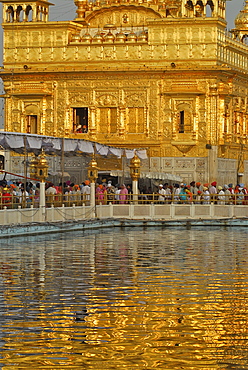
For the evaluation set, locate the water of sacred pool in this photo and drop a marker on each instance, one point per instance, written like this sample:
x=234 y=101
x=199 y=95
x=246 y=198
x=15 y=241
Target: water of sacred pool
x=150 y=298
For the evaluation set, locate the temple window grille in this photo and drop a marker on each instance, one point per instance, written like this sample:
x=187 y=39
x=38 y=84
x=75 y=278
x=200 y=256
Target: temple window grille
x=80 y=120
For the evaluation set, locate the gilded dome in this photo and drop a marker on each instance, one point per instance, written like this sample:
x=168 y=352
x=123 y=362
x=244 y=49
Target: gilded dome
x=98 y=37
x=109 y=37
x=143 y=36
x=75 y=38
x=86 y=37
x=241 y=20
x=132 y=37
x=121 y=37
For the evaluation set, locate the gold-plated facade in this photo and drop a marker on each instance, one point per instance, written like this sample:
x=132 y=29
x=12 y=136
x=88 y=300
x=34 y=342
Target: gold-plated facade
x=165 y=76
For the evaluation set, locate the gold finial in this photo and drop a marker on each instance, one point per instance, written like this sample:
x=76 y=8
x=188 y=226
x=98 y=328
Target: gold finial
x=93 y=169
x=135 y=168
x=42 y=167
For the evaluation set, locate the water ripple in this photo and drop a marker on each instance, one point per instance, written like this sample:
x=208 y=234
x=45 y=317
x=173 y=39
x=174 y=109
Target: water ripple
x=125 y=299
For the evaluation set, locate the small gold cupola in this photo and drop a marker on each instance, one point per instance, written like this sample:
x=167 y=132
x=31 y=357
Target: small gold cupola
x=241 y=23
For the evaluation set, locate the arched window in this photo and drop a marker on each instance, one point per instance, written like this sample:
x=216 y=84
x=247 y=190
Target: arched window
x=189 y=8
x=28 y=14
x=209 y=8
x=19 y=14
x=199 y=9
x=10 y=14
x=245 y=39
x=31 y=117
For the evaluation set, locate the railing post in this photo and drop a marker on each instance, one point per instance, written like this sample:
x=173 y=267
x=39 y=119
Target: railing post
x=192 y=210
x=73 y=212
x=43 y=200
x=131 y=210
x=5 y=215
x=19 y=216
x=32 y=208
x=172 y=210
x=111 y=210
x=83 y=210
x=52 y=213
x=152 y=211
x=63 y=213
x=93 y=198
x=135 y=191
x=212 y=209
x=100 y=210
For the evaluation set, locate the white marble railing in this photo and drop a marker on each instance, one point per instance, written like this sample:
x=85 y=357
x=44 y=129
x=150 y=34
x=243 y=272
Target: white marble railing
x=123 y=211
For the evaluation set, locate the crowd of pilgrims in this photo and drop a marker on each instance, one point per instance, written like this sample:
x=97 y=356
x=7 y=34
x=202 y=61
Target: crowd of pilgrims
x=204 y=193
x=106 y=192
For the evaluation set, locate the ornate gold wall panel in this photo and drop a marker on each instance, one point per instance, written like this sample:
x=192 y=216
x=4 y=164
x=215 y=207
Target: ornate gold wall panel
x=160 y=76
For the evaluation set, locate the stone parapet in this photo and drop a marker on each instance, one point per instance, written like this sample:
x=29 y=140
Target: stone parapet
x=152 y=212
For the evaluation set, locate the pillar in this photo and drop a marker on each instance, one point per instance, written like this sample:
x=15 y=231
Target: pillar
x=42 y=198
x=135 y=190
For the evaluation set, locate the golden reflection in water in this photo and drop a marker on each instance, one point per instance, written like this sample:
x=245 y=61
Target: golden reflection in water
x=144 y=309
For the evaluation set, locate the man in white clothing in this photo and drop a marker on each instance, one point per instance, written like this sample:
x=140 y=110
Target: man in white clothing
x=86 y=192
x=162 y=194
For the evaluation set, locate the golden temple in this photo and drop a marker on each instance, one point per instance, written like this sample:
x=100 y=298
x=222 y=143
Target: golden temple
x=164 y=75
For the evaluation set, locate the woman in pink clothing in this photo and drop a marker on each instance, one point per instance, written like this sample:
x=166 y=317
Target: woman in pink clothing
x=99 y=194
x=123 y=194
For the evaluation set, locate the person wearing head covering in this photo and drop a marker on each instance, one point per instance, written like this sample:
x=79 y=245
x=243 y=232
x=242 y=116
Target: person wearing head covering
x=221 y=195
x=183 y=194
x=117 y=193
x=231 y=189
x=213 y=192
x=103 y=194
x=189 y=195
x=228 y=195
x=240 y=196
x=206 y=195
x=176 y=192
x=6 y=197
x=167 y=197
x=199 y=186
x=79 y=129
x=193 y=189
x=110 y=192
x=23 y=195
x=85 y=191
x=199 y=197
x=76 y=195
x=13 y=190
x=161 y=194
x=99 y=192
x=123 y=194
